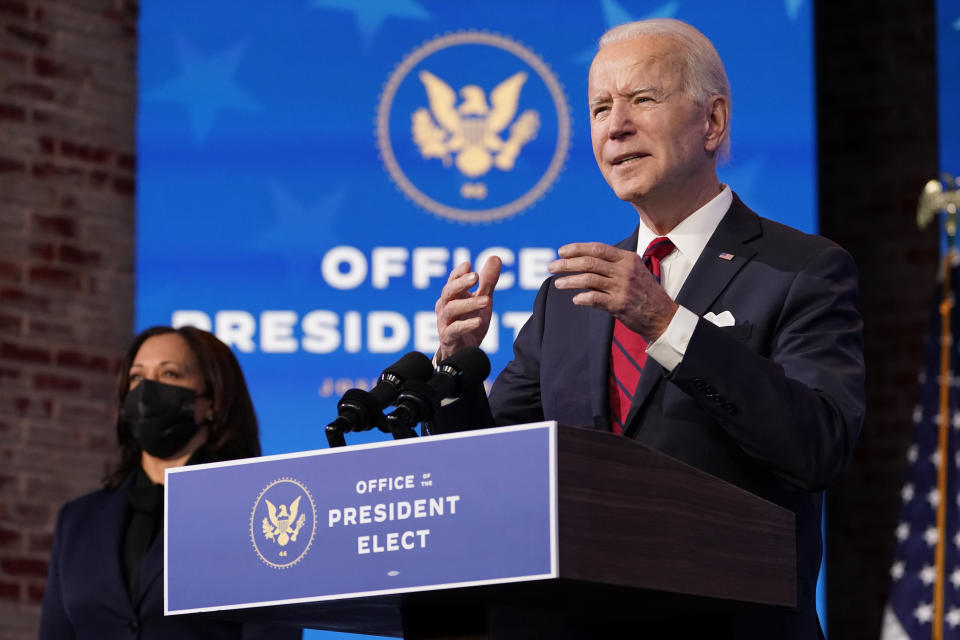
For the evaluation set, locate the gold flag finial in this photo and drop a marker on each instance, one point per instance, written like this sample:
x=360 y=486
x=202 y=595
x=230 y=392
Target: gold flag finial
x=940 y=196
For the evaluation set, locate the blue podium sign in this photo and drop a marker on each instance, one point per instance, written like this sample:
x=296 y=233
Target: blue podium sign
x=428 y=513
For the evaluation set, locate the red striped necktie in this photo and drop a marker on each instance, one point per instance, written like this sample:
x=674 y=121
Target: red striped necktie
x=628 y=350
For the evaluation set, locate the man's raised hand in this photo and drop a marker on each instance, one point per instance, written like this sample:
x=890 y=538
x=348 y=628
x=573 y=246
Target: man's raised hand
x=463 y=317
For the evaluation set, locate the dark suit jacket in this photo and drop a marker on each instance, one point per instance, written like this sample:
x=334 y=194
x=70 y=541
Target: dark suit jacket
x=86 y=595
x=773 y=404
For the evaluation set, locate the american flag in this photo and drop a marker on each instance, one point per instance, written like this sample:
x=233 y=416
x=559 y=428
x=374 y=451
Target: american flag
x=910 y=609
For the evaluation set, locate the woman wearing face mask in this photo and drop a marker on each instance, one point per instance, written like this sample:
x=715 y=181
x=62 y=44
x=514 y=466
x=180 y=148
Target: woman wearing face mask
x=182 y=400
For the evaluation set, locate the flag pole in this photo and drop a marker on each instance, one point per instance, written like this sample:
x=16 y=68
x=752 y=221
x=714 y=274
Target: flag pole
x=933 y=188
x=946 y=306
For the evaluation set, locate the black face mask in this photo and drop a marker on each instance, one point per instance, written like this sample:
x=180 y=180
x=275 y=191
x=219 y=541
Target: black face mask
x=160 y=417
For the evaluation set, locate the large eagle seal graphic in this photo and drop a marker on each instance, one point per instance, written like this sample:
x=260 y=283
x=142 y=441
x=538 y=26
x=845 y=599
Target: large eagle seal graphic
x=470 y=131
x=281 y=525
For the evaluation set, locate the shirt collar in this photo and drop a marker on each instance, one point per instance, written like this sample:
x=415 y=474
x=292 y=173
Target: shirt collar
x=693 y=232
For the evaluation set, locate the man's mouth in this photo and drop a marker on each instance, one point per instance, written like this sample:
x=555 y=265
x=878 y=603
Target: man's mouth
x=626 y=158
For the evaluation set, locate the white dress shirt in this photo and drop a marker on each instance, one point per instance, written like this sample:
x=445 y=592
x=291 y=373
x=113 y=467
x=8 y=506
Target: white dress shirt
x=689 y=237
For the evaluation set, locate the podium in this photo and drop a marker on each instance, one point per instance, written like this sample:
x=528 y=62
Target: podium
x=526 y=531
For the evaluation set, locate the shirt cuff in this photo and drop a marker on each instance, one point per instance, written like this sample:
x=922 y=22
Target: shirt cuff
x=670 y=347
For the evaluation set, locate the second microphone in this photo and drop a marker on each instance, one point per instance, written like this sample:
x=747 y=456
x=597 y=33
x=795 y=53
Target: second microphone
x=418 y=401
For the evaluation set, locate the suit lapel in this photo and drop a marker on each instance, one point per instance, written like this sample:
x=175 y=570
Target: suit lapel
x=152 y=567
x=109 y=545
x=599 y=337
x=652 y=374
x=723 y=256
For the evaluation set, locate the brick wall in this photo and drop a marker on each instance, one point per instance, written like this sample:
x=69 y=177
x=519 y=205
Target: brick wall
x=67 y=104
x=877 y=126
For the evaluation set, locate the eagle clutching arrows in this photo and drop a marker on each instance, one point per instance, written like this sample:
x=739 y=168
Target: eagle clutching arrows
x=470 y=131
x=281 y=525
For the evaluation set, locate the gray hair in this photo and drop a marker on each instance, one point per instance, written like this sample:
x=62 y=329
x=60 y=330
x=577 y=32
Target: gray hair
x=703 y=76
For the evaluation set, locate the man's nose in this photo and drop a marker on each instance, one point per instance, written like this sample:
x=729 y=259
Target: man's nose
x=621 y=124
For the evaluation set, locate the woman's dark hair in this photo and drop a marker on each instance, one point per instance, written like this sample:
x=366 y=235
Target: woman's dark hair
x=232 y=432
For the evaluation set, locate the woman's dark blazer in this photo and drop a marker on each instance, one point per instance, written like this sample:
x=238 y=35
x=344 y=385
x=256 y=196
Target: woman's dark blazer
x=86 y=594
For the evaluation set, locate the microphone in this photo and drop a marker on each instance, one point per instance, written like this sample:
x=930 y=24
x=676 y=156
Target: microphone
x=419 y=400
x=359 y=410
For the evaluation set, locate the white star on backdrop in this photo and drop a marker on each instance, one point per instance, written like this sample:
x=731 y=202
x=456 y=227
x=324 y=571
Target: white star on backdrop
x=896 y=571
x=292 y=216
x=953 y=617
x=371 y=14
x=906 y=494
x=903 y=531
x=951 y=379
x=297 y=225
x=614 y=14
x=205 y=86
x=793 y=8
x=955 y=578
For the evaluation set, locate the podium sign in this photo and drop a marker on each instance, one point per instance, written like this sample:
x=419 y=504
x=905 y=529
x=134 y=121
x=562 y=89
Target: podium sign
x=447 y=511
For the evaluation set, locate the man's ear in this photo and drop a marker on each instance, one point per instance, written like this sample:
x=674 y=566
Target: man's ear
x=716 y=122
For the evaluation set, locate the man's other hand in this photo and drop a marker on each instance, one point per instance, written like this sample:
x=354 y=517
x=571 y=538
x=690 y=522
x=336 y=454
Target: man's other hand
x=616 y=281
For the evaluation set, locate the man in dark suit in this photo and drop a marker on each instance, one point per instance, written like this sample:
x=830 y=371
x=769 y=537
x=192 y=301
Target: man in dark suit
x=711 y=334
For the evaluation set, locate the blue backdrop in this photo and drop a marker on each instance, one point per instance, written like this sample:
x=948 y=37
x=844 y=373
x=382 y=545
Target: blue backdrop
x=309 y=171
x=948 y=87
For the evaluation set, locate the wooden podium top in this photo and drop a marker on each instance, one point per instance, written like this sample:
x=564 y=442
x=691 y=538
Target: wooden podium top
x=637 y=534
